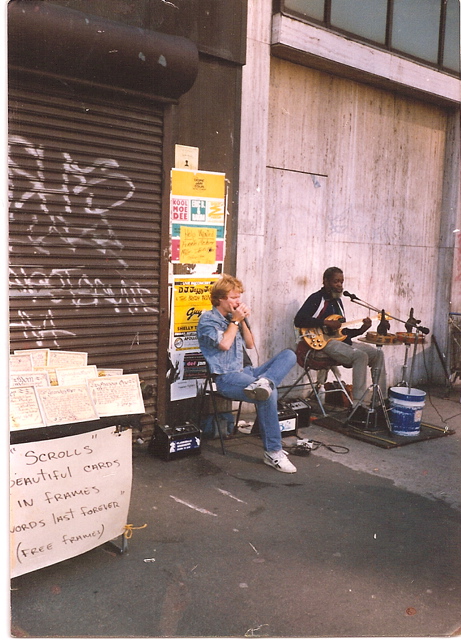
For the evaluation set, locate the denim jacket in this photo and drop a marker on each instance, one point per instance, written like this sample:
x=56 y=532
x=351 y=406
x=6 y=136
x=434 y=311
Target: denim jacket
x=210 y=330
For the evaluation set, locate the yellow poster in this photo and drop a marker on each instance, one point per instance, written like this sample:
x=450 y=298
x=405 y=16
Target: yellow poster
x=197 y=245
x=191 y=297
x=197 y=184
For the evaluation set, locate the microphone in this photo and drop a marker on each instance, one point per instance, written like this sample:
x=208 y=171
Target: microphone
x=424 y=330
x=352 y=296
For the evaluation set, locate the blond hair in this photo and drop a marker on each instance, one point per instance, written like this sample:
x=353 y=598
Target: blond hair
x=222 y=287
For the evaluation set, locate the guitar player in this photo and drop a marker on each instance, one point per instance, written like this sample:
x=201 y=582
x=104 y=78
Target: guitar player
x=314 y=314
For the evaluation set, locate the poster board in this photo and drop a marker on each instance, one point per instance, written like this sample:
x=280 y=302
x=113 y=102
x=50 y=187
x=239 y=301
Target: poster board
x=63 y=359
x=51 y=371
x=76 y=375
x=66 y=405
x=67 y=496
x=198 y=214
x=197 y=217
x=110 y=372
x=30 y=379
x=190 y=297
x=20 y=362
x=39 y=356
x=186 y=157
x=116 y=395
x=25 y=411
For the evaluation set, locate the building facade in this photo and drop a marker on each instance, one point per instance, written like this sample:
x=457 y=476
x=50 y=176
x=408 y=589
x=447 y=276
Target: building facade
x=100 y=92
x=351 y=124
x=338 y=134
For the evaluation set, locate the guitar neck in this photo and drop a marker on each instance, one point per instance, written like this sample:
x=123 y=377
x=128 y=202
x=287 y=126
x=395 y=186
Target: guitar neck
x=349 y=323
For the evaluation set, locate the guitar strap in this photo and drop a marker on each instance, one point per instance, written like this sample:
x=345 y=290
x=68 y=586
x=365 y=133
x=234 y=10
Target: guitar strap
x=340 y=305
x=322 y=308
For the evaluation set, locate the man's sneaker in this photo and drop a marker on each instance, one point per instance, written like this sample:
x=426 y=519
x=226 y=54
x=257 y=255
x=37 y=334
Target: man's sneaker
x=258 y=390
x=279 y=461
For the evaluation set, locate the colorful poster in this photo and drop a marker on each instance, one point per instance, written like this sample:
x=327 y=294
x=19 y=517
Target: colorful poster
x=190 y=297
x=197 y=217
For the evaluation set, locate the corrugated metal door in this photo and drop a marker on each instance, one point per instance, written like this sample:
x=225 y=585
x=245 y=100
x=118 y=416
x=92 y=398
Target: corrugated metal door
x=85 y=224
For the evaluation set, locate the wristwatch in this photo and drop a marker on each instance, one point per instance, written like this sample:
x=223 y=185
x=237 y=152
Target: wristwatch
x=236 y=322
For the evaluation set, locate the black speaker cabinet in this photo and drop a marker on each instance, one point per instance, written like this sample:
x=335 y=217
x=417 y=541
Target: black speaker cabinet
x=301 y=407
x=170 y=443
x=288 y=421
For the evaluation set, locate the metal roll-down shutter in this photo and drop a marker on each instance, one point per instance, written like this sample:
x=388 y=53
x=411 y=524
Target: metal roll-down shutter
x=85 y=223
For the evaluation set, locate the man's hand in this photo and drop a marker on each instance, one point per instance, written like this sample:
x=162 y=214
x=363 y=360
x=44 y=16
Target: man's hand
x=333 y=324
x=241 y=312
x=366 y=324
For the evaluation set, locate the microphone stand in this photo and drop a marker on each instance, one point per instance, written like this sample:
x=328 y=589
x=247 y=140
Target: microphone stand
x=377 y=393
x=367 y=305
x=422 y=330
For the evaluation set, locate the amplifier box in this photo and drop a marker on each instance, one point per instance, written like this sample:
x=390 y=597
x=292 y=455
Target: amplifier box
x=301 y=407
x=288 y=421
x=170 y=443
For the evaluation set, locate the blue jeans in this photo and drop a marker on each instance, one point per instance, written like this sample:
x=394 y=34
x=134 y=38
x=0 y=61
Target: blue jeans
x=359 y=356
x=231 y=385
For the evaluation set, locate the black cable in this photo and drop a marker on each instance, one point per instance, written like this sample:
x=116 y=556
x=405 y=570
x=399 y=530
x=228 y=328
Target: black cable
x=451 y=417
x=335 y=448
x=305 y=448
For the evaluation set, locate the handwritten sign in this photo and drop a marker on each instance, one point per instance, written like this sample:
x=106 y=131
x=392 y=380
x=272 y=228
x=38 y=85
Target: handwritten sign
x=67 y=359
x=197 y=245
x=76 y=375
x=30 y=379
x=39 y=356
x=67 y=496
x=19 y=362
x=25 y=410
x=117 y=395
x=63 y=405
x=51 y=371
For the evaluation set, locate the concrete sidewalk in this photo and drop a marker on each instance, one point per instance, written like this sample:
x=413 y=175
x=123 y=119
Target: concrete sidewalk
x=355 y=545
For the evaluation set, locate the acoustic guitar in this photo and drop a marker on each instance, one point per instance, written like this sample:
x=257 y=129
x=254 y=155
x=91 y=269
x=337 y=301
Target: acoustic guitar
x=319 y=337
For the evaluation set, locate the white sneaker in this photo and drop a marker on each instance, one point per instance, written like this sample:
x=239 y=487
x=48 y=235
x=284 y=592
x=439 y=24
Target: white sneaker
x=279 y=460
x=260 y=390
x=246 y=429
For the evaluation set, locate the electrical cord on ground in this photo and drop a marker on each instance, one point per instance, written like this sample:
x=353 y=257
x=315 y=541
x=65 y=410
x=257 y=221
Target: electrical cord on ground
x=305 y=446
x=335 y=448
x=451 y=417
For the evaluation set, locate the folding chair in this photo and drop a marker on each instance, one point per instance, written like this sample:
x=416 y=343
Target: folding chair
x=311 y=360
x=209 y=389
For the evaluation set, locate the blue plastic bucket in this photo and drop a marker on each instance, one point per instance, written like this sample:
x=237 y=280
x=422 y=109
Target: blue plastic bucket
x=406 y=410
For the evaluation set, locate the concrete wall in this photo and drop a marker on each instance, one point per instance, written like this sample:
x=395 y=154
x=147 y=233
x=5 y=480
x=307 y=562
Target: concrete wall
x=337 y=172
